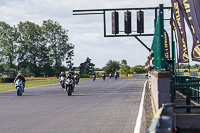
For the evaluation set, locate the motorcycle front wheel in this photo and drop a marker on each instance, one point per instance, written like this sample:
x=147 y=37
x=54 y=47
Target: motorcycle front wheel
x=63 y=85
x=17 y=92
x=69 y=91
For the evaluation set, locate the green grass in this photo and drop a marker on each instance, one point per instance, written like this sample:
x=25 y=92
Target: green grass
x=32 y=83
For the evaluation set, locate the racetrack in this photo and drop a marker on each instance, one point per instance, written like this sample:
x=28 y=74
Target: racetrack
x=109 y=106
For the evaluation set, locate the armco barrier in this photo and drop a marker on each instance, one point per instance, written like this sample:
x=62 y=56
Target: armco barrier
x=8 y=80
x=97 y=76
x=84 y=76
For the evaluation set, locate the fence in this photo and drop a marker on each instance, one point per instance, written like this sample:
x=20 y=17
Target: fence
x=188 y=86
x=158 y=42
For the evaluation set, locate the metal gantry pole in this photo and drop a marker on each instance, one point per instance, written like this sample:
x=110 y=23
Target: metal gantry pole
x=161 y=48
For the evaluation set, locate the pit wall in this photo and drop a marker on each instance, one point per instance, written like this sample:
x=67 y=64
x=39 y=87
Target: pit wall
x=160 y=89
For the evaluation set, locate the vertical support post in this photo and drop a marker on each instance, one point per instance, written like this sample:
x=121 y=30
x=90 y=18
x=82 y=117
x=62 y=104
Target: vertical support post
x=175 y=65
x=161 y=49
x=104 y=22
x=173 y=48
x=198 y=95
x=189 y=67
x=156 y=15
x=172 y=93
x=188 y=99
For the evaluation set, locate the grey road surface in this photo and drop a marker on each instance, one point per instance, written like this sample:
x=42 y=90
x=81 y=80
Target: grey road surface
x=109 y=106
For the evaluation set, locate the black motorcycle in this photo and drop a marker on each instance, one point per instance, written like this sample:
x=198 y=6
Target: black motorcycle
x=69 y=86
x=76 y=77
x=93 y=77
x=103 y=76
x=116 y=76
x=62 y=81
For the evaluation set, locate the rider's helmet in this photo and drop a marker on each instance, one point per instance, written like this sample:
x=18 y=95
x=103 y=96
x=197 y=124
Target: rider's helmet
x=62 y=73
x=19 y=74
x=76 y=73
x=103 y=72
x=69 y=75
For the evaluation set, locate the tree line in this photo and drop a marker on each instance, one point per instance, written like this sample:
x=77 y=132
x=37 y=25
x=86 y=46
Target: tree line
x=186 y=66
x=32 y=49
x=87 y=68
x=123 y=68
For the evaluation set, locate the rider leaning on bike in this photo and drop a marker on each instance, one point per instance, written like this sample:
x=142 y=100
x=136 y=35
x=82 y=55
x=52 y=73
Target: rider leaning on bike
x=62 y=74
x=21 y=77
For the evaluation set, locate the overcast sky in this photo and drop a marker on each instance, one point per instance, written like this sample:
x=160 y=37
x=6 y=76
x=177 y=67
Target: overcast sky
x=86 y=32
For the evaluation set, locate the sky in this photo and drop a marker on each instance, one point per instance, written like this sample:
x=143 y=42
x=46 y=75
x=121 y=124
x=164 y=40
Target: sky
x=86 y=31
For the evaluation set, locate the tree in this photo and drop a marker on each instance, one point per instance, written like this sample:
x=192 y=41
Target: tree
x=183 y=66
x=125 y=69
x=123 y=62
x=8 y=44
x=138 y=69
x=31 y=48
x=86 y=68
x=196 y=66
x=57 y=39
x=111 y=66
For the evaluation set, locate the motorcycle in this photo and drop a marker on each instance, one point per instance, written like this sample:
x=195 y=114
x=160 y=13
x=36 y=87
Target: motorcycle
x=110 y=75
x=69 y=86
x=103 y=76
x=62 y=81
x=76 y=77
x=93 y=77
x=19 y=87
x=115 y=76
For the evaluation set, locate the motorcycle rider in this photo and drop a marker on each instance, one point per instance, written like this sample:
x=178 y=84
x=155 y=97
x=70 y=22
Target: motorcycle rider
x=21 y=77
x=76 y=75
x=93 y=76
x=70 y=76
x=104 y=76
x=62 y=74
x=110 y=75
x=116 y=75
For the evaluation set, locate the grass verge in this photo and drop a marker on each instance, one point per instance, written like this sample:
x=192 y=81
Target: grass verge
x=32 y=83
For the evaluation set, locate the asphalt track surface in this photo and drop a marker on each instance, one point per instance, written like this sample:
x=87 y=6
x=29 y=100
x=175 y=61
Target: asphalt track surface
x=109 y=106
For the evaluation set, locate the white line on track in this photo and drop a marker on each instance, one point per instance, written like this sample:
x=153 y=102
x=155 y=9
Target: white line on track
x=139 y=117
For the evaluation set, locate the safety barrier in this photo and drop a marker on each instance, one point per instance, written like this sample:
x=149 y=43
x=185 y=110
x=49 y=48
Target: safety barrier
x=97 y=76
x=8 y=80
x=187 y=74
x=196 y=74
x=160 y=89
x=164 y=120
